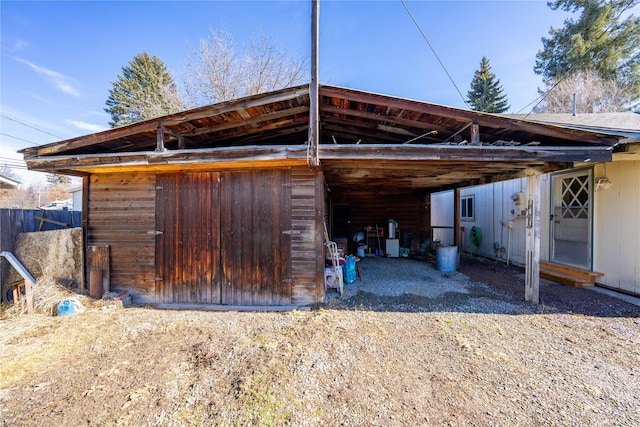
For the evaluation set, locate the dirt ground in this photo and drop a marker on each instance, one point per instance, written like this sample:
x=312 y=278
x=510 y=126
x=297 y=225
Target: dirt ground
x=479 y=356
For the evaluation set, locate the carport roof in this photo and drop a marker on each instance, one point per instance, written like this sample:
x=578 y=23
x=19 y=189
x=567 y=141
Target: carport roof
x=365 y=139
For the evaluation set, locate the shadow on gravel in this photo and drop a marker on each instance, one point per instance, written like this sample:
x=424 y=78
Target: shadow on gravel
x=479 y=286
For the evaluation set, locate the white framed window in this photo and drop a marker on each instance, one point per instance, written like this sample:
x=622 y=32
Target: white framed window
x=467 y=207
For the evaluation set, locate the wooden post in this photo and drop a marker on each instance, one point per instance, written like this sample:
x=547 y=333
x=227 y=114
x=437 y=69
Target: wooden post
x=457 y=232
x=314 y=103
x=29 y=281
x=160 y=138
x=532 y=277
x=475 y=134
x=99 y=262
x=85 y=222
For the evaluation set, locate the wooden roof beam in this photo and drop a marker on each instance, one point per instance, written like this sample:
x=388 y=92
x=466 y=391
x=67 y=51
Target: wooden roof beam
x=465 y=153
x=423 y=125
x=482 y=119
x=167 y=121
x=147 y=158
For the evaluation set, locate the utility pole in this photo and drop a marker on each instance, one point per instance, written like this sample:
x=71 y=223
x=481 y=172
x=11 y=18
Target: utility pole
x=314 y=103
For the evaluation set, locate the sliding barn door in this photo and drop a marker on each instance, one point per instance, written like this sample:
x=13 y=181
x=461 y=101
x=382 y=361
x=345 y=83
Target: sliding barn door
x=256 y=237
x=188 y=239
x=224 y=238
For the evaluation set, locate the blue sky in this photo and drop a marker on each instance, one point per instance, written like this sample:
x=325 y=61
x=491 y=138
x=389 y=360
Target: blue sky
x=58 y=58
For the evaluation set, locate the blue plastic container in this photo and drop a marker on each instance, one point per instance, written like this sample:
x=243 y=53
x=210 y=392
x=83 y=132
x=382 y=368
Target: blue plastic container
x=350 y=269
x=66 y=308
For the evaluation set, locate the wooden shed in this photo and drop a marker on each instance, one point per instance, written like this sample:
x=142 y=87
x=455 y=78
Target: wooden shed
x=225 y=204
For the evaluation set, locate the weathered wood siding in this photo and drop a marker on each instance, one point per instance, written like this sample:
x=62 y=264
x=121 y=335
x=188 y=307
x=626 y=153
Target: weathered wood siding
x=369 y=209
x=246 y=238
x=256 y=240
x=188 y=250
x=251 y=237
x=121 y=214
x=307 y=241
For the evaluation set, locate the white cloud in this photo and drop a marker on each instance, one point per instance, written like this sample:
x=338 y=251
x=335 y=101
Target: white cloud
x=91 y=127
x=62 y=82
x=18 y=45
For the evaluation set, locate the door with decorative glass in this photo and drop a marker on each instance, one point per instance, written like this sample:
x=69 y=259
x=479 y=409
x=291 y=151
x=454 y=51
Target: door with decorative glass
x=571 y=218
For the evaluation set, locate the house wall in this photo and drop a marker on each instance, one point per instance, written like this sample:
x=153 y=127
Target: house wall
x=122 y=214
x=499 y=219
x=77 y=200
x=617 y=226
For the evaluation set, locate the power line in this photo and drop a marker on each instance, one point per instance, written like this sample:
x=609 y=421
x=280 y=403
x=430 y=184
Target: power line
x=13 y=163
x=24 y=168
x=566 y=75
x=29 y=126
x=434 y=52
x=21 y=139
x=12 y=159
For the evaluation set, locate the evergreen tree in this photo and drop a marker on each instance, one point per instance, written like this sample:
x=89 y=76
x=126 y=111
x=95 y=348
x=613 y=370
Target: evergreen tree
x=486 y=93
x=144 y=90
x=599 y=41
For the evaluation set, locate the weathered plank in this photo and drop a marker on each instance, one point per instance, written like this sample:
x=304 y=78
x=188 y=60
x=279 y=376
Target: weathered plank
x=126 y=224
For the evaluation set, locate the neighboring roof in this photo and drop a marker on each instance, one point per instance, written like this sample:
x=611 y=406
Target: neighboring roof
x=365 y=139
x=625 y=124
x=58 y=205
x=75 y=189
x=8 y=183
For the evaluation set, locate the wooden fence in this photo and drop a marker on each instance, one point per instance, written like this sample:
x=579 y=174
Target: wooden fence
x=16 y=221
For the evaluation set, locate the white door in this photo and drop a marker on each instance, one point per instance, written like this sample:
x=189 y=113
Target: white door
x=571 y=219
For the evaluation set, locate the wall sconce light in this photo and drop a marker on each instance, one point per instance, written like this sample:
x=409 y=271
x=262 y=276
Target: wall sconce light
x=602 y=183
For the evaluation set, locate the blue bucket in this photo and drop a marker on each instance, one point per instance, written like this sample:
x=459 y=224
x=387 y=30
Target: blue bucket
x=447 y=258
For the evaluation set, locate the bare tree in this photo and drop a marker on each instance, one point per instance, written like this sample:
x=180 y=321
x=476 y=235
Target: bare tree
x=6 y=171
x=594 y=94
x=216 y=71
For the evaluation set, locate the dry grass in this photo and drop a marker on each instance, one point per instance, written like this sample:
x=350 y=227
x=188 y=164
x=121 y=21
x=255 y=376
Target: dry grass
x=47 y=293
x=142 y=366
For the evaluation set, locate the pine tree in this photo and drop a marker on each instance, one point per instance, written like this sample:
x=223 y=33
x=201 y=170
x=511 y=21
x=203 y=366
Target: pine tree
x=144 y=90
x=486 y=93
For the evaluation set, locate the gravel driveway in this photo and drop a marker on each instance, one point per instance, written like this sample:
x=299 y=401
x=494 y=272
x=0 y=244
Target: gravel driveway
x=479 y=286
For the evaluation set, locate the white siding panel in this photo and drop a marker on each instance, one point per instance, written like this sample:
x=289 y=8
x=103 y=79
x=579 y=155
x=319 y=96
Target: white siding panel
x=483 y=207
x=617 y=226
x=545 y=216
x=513 y=246
x=442 y=216
x=495 y=209
x=629 y=229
